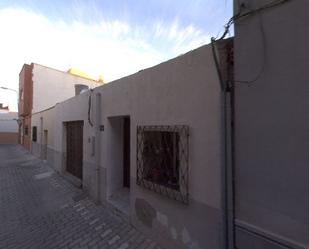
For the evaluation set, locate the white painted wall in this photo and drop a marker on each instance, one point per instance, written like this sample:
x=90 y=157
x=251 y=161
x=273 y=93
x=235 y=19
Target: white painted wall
x=182 y=91
x=51 y=86
x=46 y=118
x=7 y=122
x=73 y=109
x=44 y=121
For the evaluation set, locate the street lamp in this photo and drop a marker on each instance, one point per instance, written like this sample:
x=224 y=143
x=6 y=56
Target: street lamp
x=18 y=120
x=10 y=89
x=6 y=88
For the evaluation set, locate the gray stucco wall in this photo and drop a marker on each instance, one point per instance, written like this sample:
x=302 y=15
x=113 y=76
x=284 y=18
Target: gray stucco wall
x=271 y=127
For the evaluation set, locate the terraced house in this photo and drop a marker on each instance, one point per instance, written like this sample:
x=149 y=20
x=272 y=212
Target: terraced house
x=149 y=145
x=41 y=87
x=206 y=150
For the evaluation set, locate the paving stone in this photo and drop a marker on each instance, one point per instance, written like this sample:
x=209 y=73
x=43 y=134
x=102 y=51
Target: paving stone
x=113 y=240
x=40 y=209
x=123 y=246
x=107 y=232
x=94 y=221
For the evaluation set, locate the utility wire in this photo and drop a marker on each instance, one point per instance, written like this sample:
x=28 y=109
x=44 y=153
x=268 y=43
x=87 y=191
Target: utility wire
x=89 y=108
x=263 y=42
x=241 y=15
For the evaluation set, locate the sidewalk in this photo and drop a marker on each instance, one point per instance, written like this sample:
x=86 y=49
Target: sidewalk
x=39 y=209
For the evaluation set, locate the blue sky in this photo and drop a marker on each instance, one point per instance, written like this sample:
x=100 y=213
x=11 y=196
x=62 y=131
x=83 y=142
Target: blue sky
x=112 y=37
x=204 y=14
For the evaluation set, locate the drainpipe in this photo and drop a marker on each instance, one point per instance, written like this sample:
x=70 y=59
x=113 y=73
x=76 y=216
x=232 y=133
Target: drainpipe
x=227 y=187
x=98 y=145
x=41 y=137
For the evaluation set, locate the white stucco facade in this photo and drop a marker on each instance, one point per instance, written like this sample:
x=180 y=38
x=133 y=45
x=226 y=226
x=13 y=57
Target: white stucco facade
x=43 y=122
x=8 y=122
x=8 y=128
x=182 y=91
x=51 y=86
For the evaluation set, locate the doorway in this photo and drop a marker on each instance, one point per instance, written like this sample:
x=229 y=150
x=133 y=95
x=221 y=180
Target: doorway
x=74 y=150
x=118 y=161
x=126 y=152
x=45 y=143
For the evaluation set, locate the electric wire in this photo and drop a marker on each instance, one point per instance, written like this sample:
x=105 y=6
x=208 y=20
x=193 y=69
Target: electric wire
x=263 y=42
x=240 y=16
x=89 y=109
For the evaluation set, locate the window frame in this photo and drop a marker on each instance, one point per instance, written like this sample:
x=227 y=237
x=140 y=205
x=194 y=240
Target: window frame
x=182 y=193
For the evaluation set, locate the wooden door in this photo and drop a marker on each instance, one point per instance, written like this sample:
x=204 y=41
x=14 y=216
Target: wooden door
x=74 y=141
x=126 y=152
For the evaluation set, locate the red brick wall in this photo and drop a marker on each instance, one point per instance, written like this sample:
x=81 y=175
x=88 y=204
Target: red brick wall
x=26 y=138
x=25 y=90
x=8 y=138
x=25 y=104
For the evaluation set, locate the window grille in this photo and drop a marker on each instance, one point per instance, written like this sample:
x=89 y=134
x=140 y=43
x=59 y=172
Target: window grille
x=162 y=160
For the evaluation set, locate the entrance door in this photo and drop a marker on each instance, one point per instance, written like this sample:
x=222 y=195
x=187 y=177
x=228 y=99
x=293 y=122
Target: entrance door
x=74 y=142
x=126 y=152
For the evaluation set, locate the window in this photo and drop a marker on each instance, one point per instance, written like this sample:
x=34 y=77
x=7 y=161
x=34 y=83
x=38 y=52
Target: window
x=34 y=134
x=162 y=160
x=26 y=130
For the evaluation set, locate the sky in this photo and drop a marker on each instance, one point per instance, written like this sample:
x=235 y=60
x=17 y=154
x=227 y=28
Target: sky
x=110 y=37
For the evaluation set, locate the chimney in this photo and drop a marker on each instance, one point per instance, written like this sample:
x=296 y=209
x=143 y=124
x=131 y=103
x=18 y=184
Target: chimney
x=79 y=88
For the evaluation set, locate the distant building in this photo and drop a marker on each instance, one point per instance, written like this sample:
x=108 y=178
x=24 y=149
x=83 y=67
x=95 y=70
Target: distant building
x=40 y=88
x=3 y=109
x=8 y=126
x=77 y=72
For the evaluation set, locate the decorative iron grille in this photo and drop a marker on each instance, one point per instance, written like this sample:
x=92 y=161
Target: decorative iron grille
x=162 y=160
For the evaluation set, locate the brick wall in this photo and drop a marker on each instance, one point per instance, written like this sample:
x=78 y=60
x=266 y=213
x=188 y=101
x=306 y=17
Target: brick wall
x=8 y=138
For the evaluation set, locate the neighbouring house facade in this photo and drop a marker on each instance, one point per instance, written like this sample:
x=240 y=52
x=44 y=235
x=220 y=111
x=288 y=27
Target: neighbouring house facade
x=8 y=126
x=272 y=125
x=150 y=145
x=41 y=87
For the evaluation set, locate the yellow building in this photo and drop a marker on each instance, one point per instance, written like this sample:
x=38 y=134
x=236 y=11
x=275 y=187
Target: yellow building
x=77 y=72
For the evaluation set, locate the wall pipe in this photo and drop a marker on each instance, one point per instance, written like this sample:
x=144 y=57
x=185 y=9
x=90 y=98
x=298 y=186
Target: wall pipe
x=98 y=145
x=227 y=176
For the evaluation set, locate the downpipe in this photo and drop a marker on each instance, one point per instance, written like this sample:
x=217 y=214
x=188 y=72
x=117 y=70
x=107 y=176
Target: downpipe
x=227 y=187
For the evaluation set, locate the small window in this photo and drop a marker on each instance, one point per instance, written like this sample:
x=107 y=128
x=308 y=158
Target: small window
x=162 y=160
x=34 y=134
x=26 y=130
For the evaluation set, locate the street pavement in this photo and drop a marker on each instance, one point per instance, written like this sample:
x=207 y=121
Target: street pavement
x=40 y=209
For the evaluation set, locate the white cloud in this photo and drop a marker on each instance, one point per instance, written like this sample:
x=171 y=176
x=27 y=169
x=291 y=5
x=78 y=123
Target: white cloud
x=112 y=48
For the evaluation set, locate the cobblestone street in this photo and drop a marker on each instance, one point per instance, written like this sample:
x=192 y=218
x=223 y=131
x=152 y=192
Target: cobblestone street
x=40 y=209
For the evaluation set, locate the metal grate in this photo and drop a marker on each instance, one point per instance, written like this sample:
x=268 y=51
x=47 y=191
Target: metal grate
x=162 y=160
